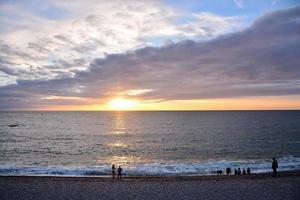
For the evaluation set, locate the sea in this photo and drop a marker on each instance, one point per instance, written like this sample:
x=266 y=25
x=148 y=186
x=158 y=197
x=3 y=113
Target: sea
x=154 y=143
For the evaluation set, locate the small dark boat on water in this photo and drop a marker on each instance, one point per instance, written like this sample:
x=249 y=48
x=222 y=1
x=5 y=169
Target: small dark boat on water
x=13 y=125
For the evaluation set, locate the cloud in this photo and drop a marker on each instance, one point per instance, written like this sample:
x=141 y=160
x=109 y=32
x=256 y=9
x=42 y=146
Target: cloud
x=137 y=92
x=37 y=37
x=261 y=60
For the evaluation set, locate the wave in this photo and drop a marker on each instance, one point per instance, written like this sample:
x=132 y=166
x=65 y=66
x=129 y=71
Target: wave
x=152 y=169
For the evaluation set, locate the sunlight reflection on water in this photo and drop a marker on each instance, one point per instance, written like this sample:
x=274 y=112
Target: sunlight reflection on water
x=121 y=160
x=119 y=124
x=118 y=145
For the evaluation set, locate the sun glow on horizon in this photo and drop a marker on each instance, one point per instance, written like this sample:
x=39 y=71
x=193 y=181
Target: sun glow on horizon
x=122 y=104
x=138 y=104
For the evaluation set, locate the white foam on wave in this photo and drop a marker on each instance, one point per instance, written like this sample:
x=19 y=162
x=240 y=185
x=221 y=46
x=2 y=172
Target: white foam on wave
x=198 y=168
x=210 y=167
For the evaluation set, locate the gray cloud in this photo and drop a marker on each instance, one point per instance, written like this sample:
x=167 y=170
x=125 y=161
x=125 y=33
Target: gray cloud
x=7 y=51
x=92 y=30
x=262 y=60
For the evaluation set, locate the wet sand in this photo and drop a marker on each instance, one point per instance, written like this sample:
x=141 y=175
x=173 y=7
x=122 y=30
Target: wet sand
x=257 y=186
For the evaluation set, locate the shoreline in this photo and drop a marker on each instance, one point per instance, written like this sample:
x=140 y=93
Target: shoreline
x=157 y=177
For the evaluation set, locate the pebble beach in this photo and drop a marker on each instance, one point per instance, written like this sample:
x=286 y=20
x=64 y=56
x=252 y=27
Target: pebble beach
x=256 y=186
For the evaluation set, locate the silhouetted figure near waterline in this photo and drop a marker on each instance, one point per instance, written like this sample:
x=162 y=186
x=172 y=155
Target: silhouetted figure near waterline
x=239 y=171
x=274 y=167
x=113 y=171
x=120 y=172
x=248 y=171
x=235 y=171
x=219 y=172
x=244 y=172
x=228 y=171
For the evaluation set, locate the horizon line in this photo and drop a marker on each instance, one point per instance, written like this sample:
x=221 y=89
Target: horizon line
x=229 y=110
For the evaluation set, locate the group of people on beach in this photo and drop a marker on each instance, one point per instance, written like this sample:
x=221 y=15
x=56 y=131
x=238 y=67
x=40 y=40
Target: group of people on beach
x=248 y=171
x=236 y=171
x=239 y=172
x=113 y=172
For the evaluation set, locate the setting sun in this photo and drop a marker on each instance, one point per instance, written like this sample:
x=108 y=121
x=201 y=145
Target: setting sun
x=122 y=104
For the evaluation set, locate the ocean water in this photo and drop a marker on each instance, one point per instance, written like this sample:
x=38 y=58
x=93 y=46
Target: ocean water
x=147 y=143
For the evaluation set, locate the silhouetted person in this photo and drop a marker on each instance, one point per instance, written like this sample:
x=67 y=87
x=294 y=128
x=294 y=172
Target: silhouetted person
x=113 y=171
x=244 y=172
x=235 y=171
x=219 y=172
x=248 y=171
x=120 y=172
x=228 y=171
x=239 y=171
x=274 y=167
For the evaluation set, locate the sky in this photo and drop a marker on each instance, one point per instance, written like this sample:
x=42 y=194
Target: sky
x=149 y=55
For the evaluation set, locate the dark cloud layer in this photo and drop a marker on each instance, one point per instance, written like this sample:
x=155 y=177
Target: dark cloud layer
x=262 y=60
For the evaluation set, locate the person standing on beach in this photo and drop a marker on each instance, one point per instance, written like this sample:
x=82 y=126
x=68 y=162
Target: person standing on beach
x=235 y=171
x=120 y=172
x=274 y=167
x=248 y=171
x=239 y=171
x=113 y=171
x=244 y=172
x=228 y=171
